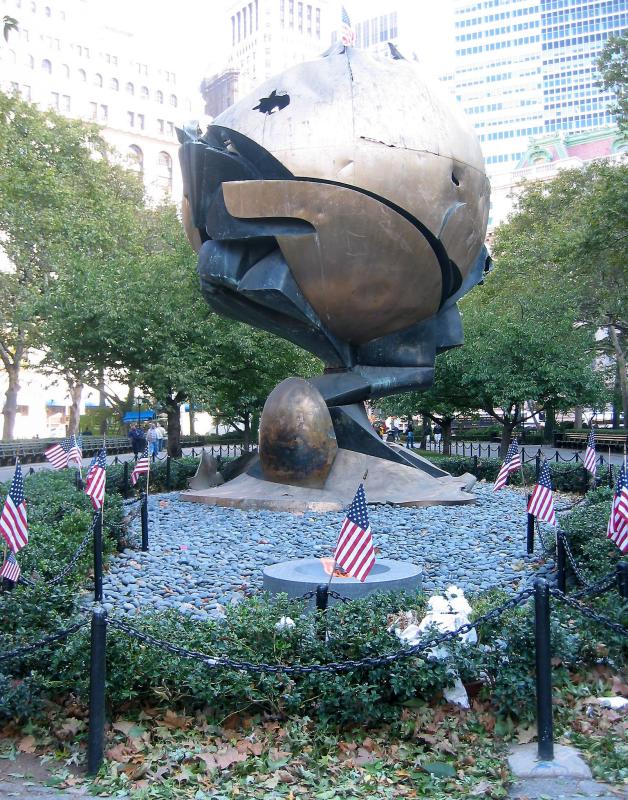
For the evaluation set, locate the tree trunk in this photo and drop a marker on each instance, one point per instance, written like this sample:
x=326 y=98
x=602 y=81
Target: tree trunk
x=192 y=420
x=10 y=403
x=616 y=403
x=76 y=390
x=102 y=394
x=622 y=371
x=173 y=412
x=577 y=417
x=425 y=430
x=550 y=425
x=446 y=426
x=247 y=432
x=507 y=428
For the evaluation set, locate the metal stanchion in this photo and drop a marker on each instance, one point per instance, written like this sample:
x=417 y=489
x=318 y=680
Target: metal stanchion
x=530 y=531
x=561 y=562
x=537 y=465
x=98 y=557
x=610 y=475
x=475 y=465
x=144 y=518
x=125 y=480
x=545 y=732
x=96 y=732
x=622 y=579
x=322 y=598
x=168 y=475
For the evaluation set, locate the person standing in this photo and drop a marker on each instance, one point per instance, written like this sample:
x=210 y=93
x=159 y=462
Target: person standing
x=161 y=432
x=438 y=434
x=410 y=434
x=153 y=440
x=138 y=442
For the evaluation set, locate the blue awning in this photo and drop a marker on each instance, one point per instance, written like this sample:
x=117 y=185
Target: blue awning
x=134 y=416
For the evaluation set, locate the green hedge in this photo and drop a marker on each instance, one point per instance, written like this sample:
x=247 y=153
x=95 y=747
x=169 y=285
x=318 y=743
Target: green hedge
x=181 y=469
x=565 y=477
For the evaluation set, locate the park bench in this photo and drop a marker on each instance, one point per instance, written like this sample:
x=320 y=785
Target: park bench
x=578 y=440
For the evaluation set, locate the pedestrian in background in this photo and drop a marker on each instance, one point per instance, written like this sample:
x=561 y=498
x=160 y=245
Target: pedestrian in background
x=153 y=440
x=161 y=433
x=138 y=440
x=410 y=434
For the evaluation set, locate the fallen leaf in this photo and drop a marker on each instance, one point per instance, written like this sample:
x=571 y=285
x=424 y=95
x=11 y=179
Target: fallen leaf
x=120 y=753
x=526 y=735
x=225 y=758
x=174 y=722
x=27 y=744
x=480 y=789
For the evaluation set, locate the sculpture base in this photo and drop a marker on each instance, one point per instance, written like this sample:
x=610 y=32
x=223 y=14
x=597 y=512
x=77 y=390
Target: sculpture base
x=387 y=482
x=302 y=575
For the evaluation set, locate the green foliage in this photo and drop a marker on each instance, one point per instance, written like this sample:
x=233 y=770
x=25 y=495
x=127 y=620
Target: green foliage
x=613 y=66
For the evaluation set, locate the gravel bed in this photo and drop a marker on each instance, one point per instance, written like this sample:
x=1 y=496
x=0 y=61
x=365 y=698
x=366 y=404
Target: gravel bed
x=203 y=557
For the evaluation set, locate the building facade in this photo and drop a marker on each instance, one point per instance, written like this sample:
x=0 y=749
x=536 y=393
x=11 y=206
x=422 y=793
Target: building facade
x=267 y=37
x=525 y=68
x=61 y=58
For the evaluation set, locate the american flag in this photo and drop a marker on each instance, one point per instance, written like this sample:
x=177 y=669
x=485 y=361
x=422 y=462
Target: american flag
x=142 y=465
x=541 y=503
x=96 y=478
x=617 y=530
x=75 y=453
x=354 y=551
x=57 y=454
x=347 y=34
x=11 y=569
x=590 y=457
x=13 y=524
x=512 y=463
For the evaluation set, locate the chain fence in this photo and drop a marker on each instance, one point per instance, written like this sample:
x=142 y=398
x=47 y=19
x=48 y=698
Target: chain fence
x=588 y=612
x=18 y=652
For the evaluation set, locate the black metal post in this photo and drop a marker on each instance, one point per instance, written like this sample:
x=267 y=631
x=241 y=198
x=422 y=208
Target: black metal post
x=610 y=475
x=322 y=597
x=144 y=516
x=537 y=465
x=577 y=458
x=556 y=456
x=622 y=579
x=153 y=456
x=98 y=557
x=96 y=732
x=79 y=482
x=545 y=732
x=523 y=456
x=530 y=532
x=168 y=475
x=561 y=561
x=125 y=480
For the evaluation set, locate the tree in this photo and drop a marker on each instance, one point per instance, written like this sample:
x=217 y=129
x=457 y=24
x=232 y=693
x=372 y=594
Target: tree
x=246 y=365
x=613 y=66
x=60 y=200
x=569 y=234
x=445 y=400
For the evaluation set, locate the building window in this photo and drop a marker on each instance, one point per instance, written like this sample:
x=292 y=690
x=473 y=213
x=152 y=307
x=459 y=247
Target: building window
x=30 y=61
x=144 y=92
x=47 y=11
x=46 y=66
x=104 y=113
x=98 y=80
x=170 y=128
x=130 y=88
x=65 y=102
x=130 y=118
x=173 y=100
x=161 y=125
x=25 y=91
x=159 y=96
x=140 y=121
x=135 y=159
x=54 y=100
x=82 y=75
x=115 y=84
x=93 y=110
x=164 y=171
x=66 y=70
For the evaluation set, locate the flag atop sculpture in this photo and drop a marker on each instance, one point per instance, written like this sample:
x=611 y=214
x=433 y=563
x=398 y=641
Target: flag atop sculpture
x=354 y=551
x=347 y=34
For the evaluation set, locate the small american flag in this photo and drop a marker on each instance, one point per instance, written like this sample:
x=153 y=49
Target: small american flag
x=617 y=530
x=512 y=463
x=590 y=457
x=142 y=465
x=57 y=454
x=347 y=34
x=96 y=478
x=13 y=524
x=541 y=503
x=354 y=551
x=11 y=569
x=75 y=453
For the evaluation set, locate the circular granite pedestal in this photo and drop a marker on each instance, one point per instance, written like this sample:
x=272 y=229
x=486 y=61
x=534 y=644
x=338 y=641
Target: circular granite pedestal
x=297 y=577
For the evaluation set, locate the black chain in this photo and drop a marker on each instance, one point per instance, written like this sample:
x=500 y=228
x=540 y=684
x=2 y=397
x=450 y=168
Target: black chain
x=68 y=567
x=420 y=649
x=599 y=587
x=338 y=596
x=588 y=612
x=54 y=637
x=580 y=576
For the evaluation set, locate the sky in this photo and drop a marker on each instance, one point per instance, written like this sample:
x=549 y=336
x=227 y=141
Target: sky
x=192 y=31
